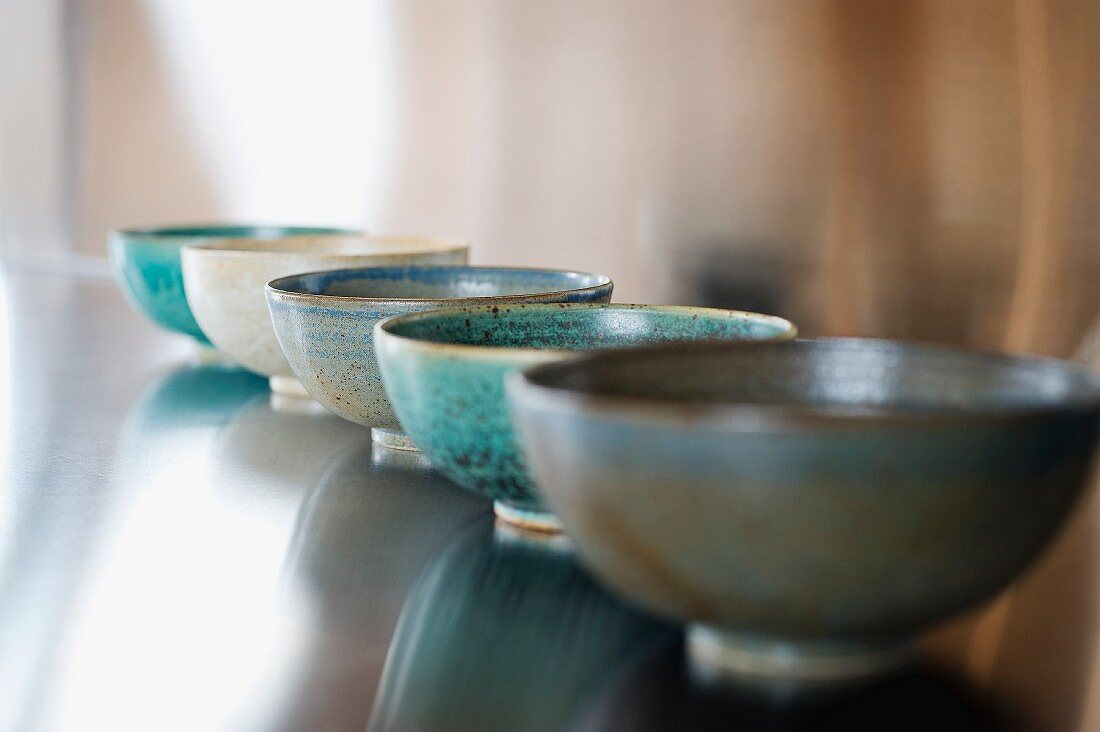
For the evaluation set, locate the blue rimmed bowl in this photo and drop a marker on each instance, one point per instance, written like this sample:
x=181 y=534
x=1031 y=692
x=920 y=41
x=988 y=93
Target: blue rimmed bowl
x=444 y=374
x=808 y=507
x=146 y=265
x=324 y=322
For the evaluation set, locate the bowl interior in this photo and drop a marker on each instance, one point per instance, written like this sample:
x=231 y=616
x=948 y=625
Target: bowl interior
x=436 y=283
x=842 y=376
x=584 y=327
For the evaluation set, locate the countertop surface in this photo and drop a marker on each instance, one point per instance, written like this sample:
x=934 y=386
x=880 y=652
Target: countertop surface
x=180 y=551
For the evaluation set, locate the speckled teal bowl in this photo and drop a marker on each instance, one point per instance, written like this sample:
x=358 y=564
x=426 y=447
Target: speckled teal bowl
x=810 y=506
x=444 y=374
x=324 y=322
x=146 y=263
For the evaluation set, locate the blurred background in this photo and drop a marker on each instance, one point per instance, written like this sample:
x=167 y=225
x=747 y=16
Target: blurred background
x=922 y=169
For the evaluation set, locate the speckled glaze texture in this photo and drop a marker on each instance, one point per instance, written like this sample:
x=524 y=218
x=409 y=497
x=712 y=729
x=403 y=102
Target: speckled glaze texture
x=325 y=321
x=832 y=497
x=146 y=264
x=225 y=283
x=444 y=373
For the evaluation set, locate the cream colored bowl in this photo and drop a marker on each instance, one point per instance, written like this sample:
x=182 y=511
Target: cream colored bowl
x=224 y=281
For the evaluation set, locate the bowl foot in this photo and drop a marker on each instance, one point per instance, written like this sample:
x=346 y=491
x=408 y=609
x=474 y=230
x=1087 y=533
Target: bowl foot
x=745 y=659
x=530 y=520
x=393 y=440
x=288 y=386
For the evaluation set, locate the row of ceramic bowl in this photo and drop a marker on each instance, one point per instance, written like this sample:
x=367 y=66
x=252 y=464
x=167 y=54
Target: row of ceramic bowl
x=808 y=506
x=438 y=372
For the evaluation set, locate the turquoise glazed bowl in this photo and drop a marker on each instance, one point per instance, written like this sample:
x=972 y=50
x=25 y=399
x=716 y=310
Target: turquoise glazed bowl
x=444 y=374
x=324 y=322
x=146 y=264
x=808 y=507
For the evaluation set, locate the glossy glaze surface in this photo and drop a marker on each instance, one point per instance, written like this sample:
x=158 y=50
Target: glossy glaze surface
x=225 y=283
x=841 y=491
x=325 y=321
x=444 y=373
x=146 y=264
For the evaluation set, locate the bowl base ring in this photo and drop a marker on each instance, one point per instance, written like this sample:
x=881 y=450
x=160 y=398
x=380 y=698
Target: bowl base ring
x=393 y=440
x=542 y=521
x=740 y=658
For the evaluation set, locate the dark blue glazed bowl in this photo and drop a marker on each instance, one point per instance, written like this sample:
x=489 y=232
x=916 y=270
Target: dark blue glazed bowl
x=808 y=506
x=324 y=322
x=444 y=374
x=146 y=264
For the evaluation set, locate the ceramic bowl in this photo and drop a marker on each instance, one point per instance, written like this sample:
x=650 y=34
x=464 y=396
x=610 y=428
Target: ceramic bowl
x=444 y=374
x=808 y=506
x=146 y=264
x=225 y=280
x=324 y=322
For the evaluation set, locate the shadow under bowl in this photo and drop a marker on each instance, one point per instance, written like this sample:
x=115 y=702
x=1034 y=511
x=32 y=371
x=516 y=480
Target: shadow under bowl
x=808 y=507
x=225 y=280
x=147 y=268
x=324 y=322
x=444 y=374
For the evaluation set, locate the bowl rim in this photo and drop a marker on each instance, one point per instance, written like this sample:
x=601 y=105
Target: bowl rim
x=530 y=386
x=273 y=288
x=252 y=247
x=181 y=232
x=383 y=329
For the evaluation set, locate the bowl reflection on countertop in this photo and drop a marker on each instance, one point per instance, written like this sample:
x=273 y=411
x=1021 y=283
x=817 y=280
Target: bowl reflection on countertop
x=218 y=426
x=657 y=692
x=364 y=534
x=270 y=450
x=191 y=396
x=182 y=586
x=504 y=631
x=172 y=425
x=311 y=538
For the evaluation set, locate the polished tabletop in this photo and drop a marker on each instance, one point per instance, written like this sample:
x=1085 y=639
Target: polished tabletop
x=180 y=550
